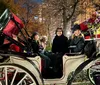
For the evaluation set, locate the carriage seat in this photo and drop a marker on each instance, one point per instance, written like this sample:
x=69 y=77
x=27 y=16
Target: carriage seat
x=71 y=53
x=74 y=54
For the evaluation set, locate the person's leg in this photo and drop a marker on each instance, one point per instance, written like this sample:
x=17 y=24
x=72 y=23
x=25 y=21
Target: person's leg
x=52 y=57
x=58 y=62
x=46 y=60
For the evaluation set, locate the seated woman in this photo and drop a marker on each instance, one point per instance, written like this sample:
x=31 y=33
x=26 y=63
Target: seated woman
x=59 y=48
x=77 y=40
x=60 y=42
x=36 y=49
x=43 y=44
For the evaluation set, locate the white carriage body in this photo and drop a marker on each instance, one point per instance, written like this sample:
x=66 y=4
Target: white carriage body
x=28 y=65
x=70 y=63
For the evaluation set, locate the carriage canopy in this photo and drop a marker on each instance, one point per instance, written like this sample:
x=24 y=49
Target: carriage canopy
x=7 y=24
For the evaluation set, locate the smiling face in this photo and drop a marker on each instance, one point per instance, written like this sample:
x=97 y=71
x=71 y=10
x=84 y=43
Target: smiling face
x=77 y=32
x=59 y=32
x=36 y=37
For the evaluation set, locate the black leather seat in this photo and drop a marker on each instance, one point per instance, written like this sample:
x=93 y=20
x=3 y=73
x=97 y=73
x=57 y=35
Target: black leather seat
x=71 y=53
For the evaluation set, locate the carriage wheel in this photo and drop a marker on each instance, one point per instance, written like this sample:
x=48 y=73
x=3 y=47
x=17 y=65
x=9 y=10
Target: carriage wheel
x=13 y=74
x=93 y=70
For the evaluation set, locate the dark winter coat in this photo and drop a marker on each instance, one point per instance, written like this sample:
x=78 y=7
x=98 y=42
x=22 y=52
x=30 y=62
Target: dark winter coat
x=77 y=41
x=60 y=44
x=35 y=46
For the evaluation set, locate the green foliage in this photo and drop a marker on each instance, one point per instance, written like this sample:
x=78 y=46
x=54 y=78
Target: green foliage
x=81 y=77
x=49 y=46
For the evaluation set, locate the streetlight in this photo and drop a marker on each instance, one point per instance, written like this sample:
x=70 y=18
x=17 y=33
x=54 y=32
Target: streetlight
x=36 y=17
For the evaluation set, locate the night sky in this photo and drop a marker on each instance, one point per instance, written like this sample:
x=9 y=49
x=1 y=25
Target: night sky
x=38 y=1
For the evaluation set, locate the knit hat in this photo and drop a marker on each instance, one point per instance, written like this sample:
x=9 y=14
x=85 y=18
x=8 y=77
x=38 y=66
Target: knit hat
x=76 y=27
x=33 y=35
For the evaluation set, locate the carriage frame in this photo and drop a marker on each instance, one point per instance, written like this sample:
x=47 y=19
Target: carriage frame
x=28 y=67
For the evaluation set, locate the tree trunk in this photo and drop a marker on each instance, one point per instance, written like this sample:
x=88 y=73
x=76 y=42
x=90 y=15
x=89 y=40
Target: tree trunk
x=67 y=28
x=66 y=23
x=64 y=20
x=49 y=35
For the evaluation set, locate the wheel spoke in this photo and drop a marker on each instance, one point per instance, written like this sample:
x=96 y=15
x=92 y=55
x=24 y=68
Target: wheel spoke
x=6 y=77
x=14 y=76
x=91 y=72
x=33 y=83
x=22 y=79
x=0 y=83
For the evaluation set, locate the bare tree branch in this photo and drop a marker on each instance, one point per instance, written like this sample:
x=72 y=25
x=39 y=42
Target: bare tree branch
x=74 y=7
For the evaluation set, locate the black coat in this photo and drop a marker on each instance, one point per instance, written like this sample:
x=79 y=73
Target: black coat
x=35 y=46
x=60 y=44
x=78 y=42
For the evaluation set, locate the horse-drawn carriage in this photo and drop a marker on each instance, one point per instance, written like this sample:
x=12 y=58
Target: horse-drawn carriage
x=26 y=68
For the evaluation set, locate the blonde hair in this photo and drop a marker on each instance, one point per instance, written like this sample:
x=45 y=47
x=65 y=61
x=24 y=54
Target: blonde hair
x=81 y=35
x=43 y=39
